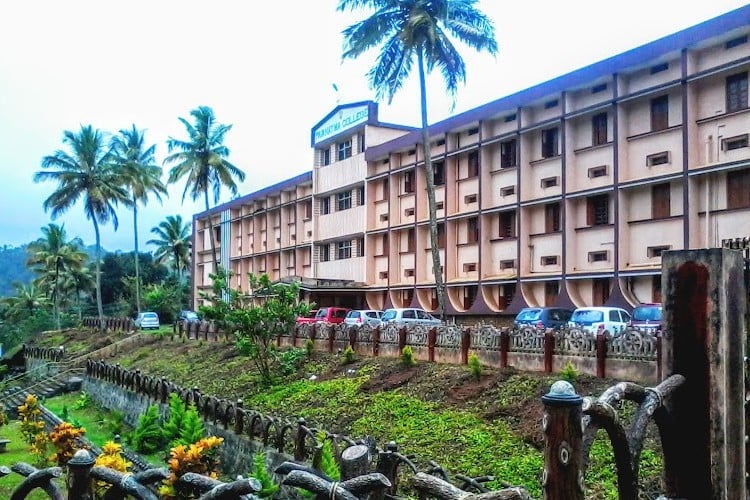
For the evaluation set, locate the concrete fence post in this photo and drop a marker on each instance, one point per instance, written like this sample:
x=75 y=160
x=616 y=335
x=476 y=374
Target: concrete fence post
x=562 y=477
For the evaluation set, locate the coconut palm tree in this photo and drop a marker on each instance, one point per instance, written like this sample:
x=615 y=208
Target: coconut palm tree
x=424 y=30
x=27 y=300
x=51 y=257
x=142 y=178
x=202 y=159
x=85 y=173
x=172 y=243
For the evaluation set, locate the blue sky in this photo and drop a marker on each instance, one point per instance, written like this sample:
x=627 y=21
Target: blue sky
x=267 y=71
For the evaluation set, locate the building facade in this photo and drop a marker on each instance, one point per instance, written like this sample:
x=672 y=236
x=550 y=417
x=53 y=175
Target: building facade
x=566 y=193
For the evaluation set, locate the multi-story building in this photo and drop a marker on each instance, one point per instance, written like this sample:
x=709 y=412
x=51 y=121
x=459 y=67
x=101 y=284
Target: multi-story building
x=564 y=193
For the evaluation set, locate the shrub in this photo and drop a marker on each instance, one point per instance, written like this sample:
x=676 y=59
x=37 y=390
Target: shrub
x=173 y=426
x=407 y=356
x=290 y=360
x=192 y=429
x=200 y=457
x=475 y=367
x=349 y=355
x=260 y=472
x=328 y=464
x=147 y=437
x=569 y=372
x=110 y=457
x=64 y=437
x=83 y=401
x=309 y=347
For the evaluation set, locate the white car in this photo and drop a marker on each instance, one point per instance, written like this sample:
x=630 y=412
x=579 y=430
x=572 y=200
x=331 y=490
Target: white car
x=363 y=316
x=146 y=320
x=610 y=320
x=409 y=315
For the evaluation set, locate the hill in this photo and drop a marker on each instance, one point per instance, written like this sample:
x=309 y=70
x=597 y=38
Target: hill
x=435 y=411
x=13 y=269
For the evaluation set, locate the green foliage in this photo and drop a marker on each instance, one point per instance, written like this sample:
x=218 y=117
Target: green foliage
x=260 y=472
x=163 y=299
x=349 y=355
x=256 y=320
x=475 y=367
x=328 y=465
x=115 y=422
x=569 y=372
x=309 y=347
x=173 y=426
x=84 y=401
x=147 y=437
x=407 y=356
x=290 y=360
x=64 y=414
x=192 y=428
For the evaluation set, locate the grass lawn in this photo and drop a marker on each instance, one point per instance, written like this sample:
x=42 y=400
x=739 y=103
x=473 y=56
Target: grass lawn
x=17 y=451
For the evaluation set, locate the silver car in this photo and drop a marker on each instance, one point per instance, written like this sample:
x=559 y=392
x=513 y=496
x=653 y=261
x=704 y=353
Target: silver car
x=363 y=316
x=146 y=320
x=409 y=315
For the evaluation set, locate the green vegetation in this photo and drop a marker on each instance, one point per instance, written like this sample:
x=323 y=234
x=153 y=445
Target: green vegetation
x=407 y=357
x=569 y=372
x=147 y=437
x=16 y=451
x=349 y=355
x=260 y=472
x=475 y=367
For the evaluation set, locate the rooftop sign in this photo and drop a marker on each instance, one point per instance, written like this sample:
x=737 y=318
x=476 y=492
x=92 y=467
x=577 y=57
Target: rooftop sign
x=343 y=119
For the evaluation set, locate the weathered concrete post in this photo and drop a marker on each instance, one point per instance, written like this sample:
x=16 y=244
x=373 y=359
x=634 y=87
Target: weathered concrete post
x=704 y=340
x=562 y=478
x=80 y=484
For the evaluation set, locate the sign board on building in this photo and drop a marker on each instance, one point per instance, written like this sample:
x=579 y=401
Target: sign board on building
x=340 y=121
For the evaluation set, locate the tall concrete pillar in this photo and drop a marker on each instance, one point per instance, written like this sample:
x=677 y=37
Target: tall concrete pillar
x=704 y=339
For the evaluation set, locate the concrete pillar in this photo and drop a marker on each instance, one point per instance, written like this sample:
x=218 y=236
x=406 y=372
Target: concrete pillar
x=704 y=340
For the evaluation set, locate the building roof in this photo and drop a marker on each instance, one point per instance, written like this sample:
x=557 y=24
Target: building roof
x=639 y=56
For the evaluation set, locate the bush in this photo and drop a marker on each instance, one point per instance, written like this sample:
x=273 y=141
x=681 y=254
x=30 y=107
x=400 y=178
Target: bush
x=309 y=347
x=569 y=372
x=260 y=472
x=147 y=437
x=407 y=356
x=349 y=355
x=475 y=367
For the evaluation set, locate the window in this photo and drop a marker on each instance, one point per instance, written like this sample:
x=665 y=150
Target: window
x=441 y=235
x=549 y=142
x=411 y=152
x=343 y=250
x=551 y=104
x=737 y=92
x=472 y=230
x=507 y=224
x=738 y=189
x=438 y=169
x=549 y=260
x=408 y=182
x=325 y=205
x=325 y=253
x=360 y=195
x=383 y=217
x=549 y=182
x=600 y=256
x=600 y=291
x=661 y=158
x=470 y=293
x=360 y=247
x=409 y=212
x=473 y=169
x=507 y=191
x=657 y=250
x=598 y=88
x=325 y=156
x=508 y=153
x=552 y=218
x=361 y=142
x=473 y=131
x=308 y=210
x=507 y=264
x=737 y=142
x=660 y=201
x=439 y=205
x=410 y=240
x=470 y=267
x=597 y=210
x=383 y=275
x=599 y=129
x=344 y=150
x=384 y=244
x=385 y=188
x=600 y=171
x=734 y=42
x=658 y=68
x=343 y=200
x=659 y=113
x=470 y=198
x=408 y=273
x=439 y=142
x=217 y=234
x=510 y=118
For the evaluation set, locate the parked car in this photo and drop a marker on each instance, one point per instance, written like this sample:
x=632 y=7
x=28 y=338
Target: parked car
x=147 y=320
x=409 y=315
x=363 y=316
x=308 y=318
x=543 y=317
x=610 y=320
x=331 y=315
x=189 y=317
x=646 y=317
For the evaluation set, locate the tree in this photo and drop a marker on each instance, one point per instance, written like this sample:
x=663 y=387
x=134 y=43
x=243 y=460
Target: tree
x=257 y=319
x=28 y=300
x=173 y=243
x=202 y=159
x=142 y=178
x=421 y=29
x=85 y=173
x=52 y=256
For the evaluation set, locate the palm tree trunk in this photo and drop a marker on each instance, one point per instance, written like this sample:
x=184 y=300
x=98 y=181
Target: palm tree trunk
x=99 y=307
x=430 y=174
x=55 y=301
x=211 y=234
x=135 y=240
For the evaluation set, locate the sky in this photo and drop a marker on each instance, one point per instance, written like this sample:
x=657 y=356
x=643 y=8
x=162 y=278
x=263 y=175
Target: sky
x=267 y=70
